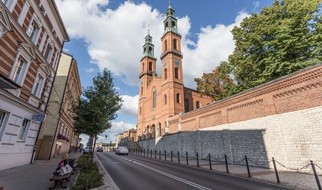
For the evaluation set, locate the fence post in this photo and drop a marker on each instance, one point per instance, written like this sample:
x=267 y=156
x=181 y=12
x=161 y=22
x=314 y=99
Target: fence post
x=276 y=173
x=247 y=166
x=160 y=155
x=210 y=167
x=155 y=154
x=187 y=158
x=171 y=155
x=165 y=155
x=226 y=161
x=178 y=157
x=144 y=152
x=316 y=176
x=197 y=159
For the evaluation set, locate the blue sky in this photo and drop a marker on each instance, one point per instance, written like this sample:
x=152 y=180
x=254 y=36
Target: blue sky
x=110 y=34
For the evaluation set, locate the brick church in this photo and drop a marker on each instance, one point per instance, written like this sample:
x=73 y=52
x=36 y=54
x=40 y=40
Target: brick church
x=162 y=97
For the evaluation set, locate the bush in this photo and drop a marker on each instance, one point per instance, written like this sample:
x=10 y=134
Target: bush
x=89 y=176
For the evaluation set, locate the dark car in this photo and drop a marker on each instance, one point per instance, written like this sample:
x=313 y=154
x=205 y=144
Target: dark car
x=99 y=149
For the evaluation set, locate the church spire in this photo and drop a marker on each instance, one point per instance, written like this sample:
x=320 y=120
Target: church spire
x=148 y=47
x=170 y=23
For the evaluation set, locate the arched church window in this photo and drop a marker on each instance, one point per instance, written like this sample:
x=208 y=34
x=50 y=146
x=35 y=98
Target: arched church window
x=140 y=110
x=165 y=73
x=176 y=73
x=154 y=98
x=150 y=50
x=197 y=104
x=165 y=45
x=150 y=66
x=165 y=99
x=175 y=44
x=173 y=24
x=141 y=90
x=178 y=98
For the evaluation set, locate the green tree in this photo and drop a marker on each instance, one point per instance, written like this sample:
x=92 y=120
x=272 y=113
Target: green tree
x=98 y=107
x=283 y=38
x=217 y=84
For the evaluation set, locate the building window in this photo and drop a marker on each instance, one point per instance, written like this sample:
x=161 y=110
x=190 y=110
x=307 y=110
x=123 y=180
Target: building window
x=176 y=73
x=23 y=13
x=154 y=98
x=150 y=66
x=48 y=52
x=186 y=105
x=23 y=130
x=165 y=73
x=165 y=45
x=10 y=4
x=175 y=44
x=197 y=104
x=20 y=71
x=38 y=85
x=165 y=99
x=178 y=98
x=140 y=111
x=3 y=115
x=141 y=90
x=33 y=31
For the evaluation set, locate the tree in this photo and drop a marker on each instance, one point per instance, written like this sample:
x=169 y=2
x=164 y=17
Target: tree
x=281 y=39
x=217 y=84
x=98 y=107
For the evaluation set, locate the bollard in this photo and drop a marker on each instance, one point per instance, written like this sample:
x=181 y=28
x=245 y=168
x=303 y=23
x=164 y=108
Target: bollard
x=226 y=161
x=165 y=155
x=178 y=157
x=171 y=155
x=155 y=154
x=247 y=166
x=197 y=159
x=316 y=176
x=276 y=173
x=210 y=167
x=160 y=155
x=187 y=158
x=144 y=152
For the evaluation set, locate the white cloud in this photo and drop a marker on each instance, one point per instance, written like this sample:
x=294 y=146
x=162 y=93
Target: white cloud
x=129 y=105
x=117 y=128
x=89 y=70
x=115 y=37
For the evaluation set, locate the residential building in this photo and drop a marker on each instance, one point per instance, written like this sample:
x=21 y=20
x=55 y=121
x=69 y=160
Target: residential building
x=161 y=97
x=57 y=134
x=32 y=35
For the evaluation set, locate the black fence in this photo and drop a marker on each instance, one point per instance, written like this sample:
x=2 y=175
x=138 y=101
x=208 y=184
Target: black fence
x=209 y=161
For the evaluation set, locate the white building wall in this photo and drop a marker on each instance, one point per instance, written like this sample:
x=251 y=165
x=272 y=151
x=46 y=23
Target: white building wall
x=14 y=152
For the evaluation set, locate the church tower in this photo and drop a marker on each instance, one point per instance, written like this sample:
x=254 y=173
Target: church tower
x=171 y=59
x=147 y=73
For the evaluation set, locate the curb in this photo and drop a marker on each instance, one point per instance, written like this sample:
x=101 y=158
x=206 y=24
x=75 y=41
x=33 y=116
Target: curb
x=109 y=184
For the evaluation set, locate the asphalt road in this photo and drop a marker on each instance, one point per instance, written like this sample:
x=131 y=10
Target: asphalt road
x=140 y=173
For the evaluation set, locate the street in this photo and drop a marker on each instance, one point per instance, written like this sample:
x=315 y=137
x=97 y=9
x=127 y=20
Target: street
x=134 y=172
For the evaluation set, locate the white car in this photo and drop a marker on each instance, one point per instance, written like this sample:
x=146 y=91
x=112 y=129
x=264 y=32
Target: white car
x=122 y=150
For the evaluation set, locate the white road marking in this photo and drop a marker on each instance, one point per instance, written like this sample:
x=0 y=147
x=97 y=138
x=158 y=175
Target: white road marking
x=170 y=176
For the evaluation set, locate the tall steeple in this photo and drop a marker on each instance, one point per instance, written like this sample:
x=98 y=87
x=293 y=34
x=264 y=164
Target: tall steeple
x=170 y=23
x=148 y=47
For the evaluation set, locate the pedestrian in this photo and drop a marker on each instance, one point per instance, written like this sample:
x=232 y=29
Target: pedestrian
x=61 y=164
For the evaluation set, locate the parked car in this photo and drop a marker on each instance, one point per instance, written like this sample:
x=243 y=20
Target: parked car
x=87 y=150
x=122 y=150
x=99 y=149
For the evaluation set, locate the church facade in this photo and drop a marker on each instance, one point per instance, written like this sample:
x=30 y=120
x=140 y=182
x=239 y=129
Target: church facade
x=162 y=97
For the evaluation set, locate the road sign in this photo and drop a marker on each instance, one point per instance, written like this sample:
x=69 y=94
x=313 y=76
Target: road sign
x=39 y=117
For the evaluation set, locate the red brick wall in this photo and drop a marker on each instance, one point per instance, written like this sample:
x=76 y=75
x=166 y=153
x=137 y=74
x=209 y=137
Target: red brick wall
x=300 y=90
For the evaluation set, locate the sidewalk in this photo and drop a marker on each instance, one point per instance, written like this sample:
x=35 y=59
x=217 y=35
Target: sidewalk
x=32 y=176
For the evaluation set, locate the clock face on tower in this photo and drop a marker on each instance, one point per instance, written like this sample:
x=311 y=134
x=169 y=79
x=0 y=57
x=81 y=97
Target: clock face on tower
x=164 y=64
x=177 y=63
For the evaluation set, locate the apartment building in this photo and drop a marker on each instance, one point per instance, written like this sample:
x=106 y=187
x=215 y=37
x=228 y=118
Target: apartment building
x=32 y=36
x=57 y=135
